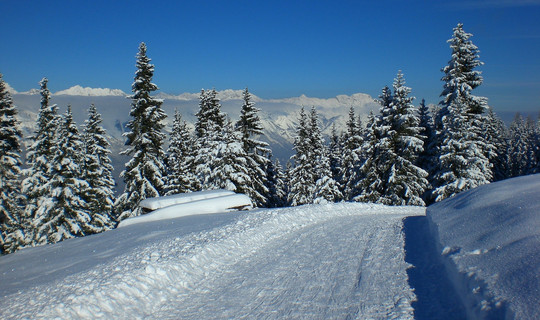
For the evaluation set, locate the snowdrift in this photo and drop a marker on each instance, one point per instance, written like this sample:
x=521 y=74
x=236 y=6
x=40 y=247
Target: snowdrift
x=203 y=202
x=490 y=241
x=161 y=202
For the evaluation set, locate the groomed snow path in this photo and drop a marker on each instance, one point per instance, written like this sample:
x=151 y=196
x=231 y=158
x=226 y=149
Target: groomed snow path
x=339 y=261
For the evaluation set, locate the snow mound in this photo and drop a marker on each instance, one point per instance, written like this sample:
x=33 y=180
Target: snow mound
x=490 y=240
x=87 y=91
x=161 y=202
x=221 y=203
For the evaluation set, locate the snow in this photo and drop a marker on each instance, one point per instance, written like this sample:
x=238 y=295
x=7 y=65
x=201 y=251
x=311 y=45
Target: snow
x=476 y=255
x=223 y=203
x=87 y=91
x=312 y=262
x=490 y=238
x=161 y=202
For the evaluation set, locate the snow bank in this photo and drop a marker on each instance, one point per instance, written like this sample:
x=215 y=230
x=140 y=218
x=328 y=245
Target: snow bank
x=490 y=238
x=161 y=202
x=217 y=204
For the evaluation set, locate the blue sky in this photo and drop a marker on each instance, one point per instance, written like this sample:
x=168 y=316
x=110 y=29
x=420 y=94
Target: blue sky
x=276 y=48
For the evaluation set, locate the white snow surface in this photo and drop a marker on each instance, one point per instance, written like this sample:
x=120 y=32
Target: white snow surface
x=224 y=203
x=491 y=239
x=332 y=261
x=161 y=202
x=91 y=92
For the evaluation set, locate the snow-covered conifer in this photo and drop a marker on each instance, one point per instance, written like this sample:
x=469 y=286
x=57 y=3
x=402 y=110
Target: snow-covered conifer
x=39 y=157
x=391 y=172
x=459 y=80
x=144 y=174
x=326 y=189
x=335 y=151
x=276 y=184
x=258 y=153
x=97 y=170
x=521 y=150
x=180 y=174
x=64 y=212
x=495 y=133
x=352 y=157
x=12 y=220
x=226 y=167
x=302 y=171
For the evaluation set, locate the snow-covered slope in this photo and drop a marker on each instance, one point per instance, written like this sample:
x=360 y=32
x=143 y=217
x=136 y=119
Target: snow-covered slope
x=490 y=237
x=311 y=262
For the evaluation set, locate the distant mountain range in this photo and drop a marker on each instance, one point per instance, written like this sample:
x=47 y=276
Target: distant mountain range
x=279 y=116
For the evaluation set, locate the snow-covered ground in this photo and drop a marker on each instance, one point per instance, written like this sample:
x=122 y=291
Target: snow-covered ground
x=311 y=262
x=475 y=256
x=490 y=237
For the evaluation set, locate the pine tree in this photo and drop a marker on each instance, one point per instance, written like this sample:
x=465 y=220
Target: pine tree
x=407 y=182
x=39 y=158
x=301 y=174
x=460 y=79
x=352 y=157
x=521 y=152
x=276 y=184
x=335 y=151
x=326 y=189
x=12 y=220
x=97 y=171
x=394 y=143
x=180 y=174
x=496 y=135
x=209 y=116
x=258 y=153
x=64 y=212
x=145 y=172
x=226 y=167
x=426 y=159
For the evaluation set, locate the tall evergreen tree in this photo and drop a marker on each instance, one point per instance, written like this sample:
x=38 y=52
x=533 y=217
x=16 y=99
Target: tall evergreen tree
x=12 y=220
x=352 y=157
x=521 y=151
x=335 y=150
x=496 y=135
x=144 y=173
x=258 y=153
x=325 y=189
x=301 y=174
x=64 y=213
x=391 y=172
x=426 y=159
x=276 y=184
x=39 y=158
x=459 y=80
x=98 y=171
x=180 y=173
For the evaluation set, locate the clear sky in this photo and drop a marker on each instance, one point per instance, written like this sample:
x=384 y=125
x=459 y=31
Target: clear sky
x=276 y=48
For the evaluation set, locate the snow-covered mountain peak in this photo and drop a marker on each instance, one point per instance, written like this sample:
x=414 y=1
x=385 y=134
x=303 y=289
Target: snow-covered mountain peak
x=224 y=95
x=10 y=88
x=87 y=91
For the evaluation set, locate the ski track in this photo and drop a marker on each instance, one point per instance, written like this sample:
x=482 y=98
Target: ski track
x=339 y=261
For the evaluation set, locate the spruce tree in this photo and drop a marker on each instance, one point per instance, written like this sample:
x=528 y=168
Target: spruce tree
x=276 y=184
x=98 y=171
x=459 y=80
x=180 y=174
x=521 y=152
x=227 y=165
x=64 y=213
x=12 y=220
x=258 y=153
x=144 y=173
x=325 y=189
x=352 y=157
x=407 y=182
x=39 y=158
x=496 y=135
x=335 y=151
x=302 y=171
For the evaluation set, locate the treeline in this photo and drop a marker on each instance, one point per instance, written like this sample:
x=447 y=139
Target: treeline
x=404 y=155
